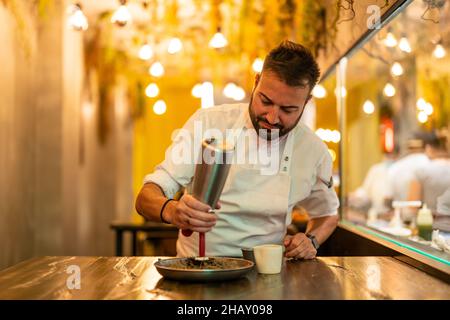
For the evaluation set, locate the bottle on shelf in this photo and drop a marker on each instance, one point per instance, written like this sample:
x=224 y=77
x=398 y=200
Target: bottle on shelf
x=425 y=223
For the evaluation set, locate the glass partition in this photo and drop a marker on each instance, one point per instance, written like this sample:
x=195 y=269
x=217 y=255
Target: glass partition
x=396 y=163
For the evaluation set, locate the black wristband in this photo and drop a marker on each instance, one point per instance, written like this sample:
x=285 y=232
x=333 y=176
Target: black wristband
x=162 y=209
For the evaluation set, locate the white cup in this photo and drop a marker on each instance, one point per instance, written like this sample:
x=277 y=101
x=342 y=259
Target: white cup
x=268 y=258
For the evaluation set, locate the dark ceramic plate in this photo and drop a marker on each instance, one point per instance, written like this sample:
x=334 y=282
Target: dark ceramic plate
x=169 y=268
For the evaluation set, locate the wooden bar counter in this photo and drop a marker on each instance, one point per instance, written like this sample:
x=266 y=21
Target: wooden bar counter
x=137 y=278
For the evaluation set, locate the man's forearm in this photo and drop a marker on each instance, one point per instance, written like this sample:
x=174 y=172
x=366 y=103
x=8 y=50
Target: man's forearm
x=150 y=200
x=322 y=228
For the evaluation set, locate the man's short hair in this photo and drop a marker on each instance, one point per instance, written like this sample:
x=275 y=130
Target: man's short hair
x=294 y=64
x=434 y=140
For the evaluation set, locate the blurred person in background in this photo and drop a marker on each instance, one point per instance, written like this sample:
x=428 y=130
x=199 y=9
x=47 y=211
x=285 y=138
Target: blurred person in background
x=432 y=179
x=442 y=217
x=401 y=173
x=372 y=193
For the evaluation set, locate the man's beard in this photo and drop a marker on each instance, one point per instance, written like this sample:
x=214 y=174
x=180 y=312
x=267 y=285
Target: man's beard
x=269 y=134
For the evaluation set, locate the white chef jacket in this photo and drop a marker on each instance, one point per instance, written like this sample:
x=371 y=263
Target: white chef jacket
x=401 y=173
x=310 y=165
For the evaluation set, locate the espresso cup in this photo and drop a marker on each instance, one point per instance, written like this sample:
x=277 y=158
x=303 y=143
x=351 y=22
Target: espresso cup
x=268 y=258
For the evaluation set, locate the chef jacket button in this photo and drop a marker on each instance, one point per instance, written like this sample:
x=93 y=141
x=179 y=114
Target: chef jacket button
x=286 y=158
x=284 y=169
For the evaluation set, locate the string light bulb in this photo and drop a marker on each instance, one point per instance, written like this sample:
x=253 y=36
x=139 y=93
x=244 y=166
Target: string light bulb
x=342 y=91
x=319 y=91
x=218 y=40
x=207 y=98
x=234 y=92
x=145 y=52
x=156 y=69
x=229 y=89
x=197 y=90
x=122 y=15
x=421 y=104
x=396 y=69
x=439 y=51
x=404 y=45
x=77 y=20
x=390 y=40
x=257 y=65
x=175 y=45
x=389 y=90
x=422 y=117
x=152 y=90
x=368 y=107
x=159 y=107
x=428 y=109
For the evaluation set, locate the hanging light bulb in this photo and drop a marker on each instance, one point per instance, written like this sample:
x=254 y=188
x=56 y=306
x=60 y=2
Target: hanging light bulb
x=122 y=15
x=421 y=104
x=439 y=51
x=175 y=45
x=156 y=69
x=218 y=40
x=422 y=117
x=404 y=45
x=77 y=20
x=258 y=65
x=319 y=91
x=390 y=40
x=152 y=90
x=368 y=107
x=343 y=92
x=229 y=90
x=428 y=109
x=389 y=90
x=197 y=90
x=335 y=136
x=159 y=107
x=146 y=52
x=396 y=69
x=239 y=94
x=207 y=95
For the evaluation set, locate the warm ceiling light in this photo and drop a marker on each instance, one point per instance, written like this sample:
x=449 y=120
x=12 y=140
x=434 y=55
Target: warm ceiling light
x=258 y=65
x=335 y=136
x=175 y=45
x=328 y=135
x=404 y=45
x=422 y=117
x=157 y=69
x=428 y=109
x=343 y=92
x=122 y=15
x=439 y=51
x=159 y=107
x=421 y=104
x=319 y=91
x=77 y=20
x=146 y=52
x=152 y=90
x=197 y=90
x=229 y=90
x=368 y=107
x=239 y=94
x=390 y=40
x=389 y=90
x=218 y=40
x=396 y=69
x=207 y=95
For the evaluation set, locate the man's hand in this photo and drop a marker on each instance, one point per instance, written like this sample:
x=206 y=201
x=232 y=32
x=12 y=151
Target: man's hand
x=189 y=213
x=299 y=246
